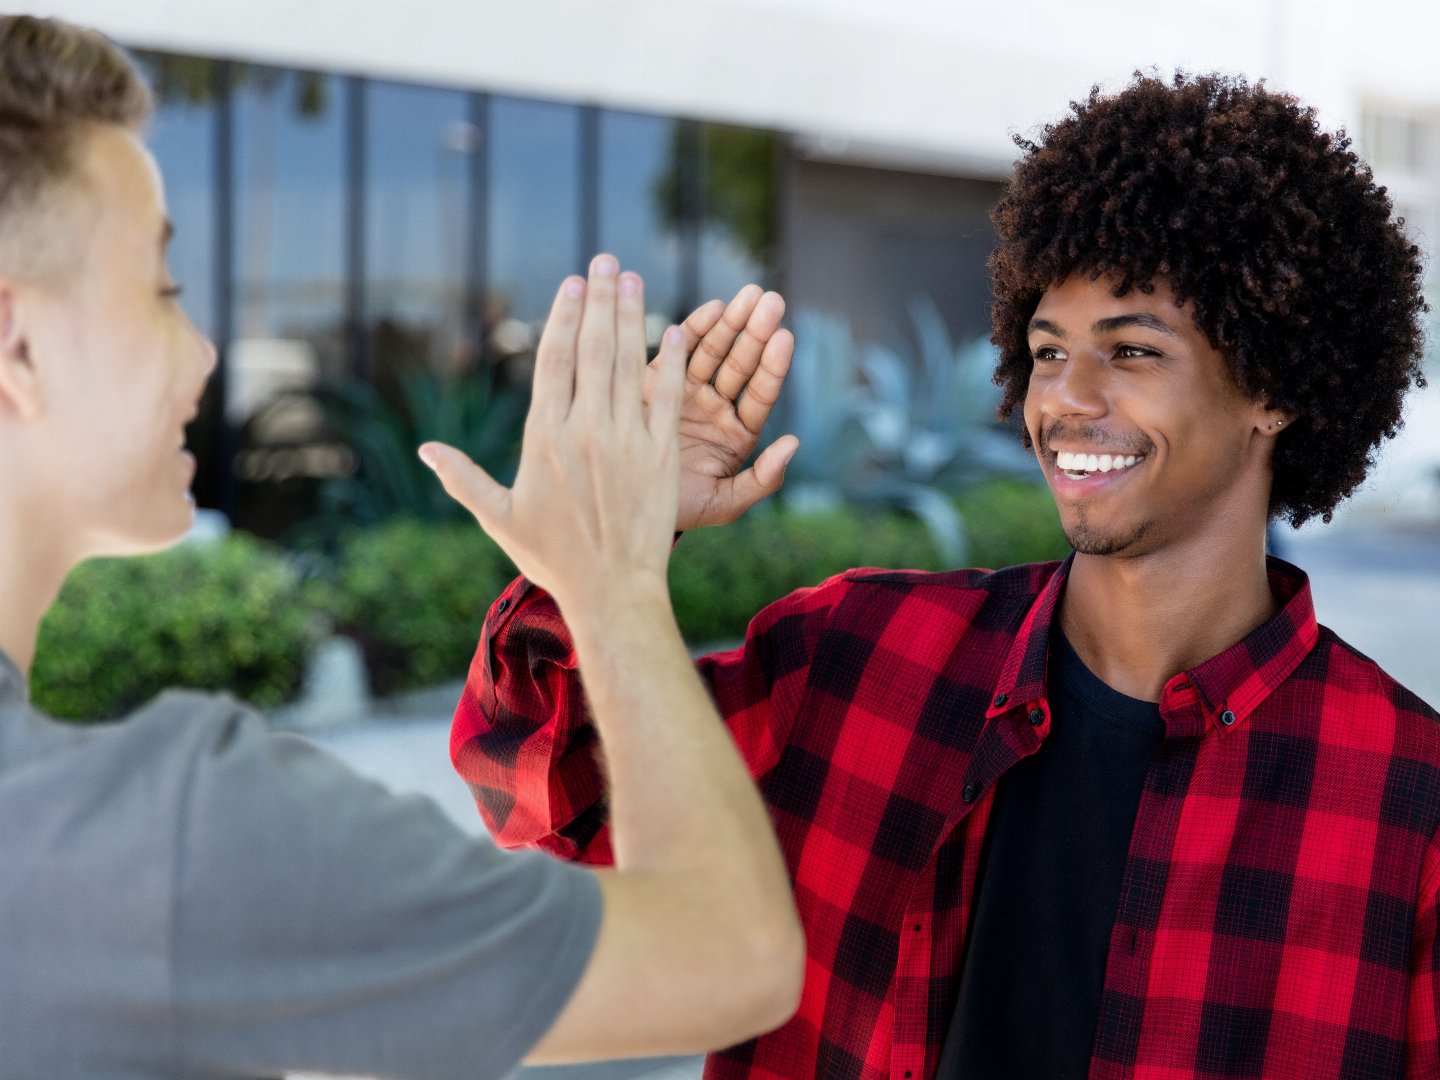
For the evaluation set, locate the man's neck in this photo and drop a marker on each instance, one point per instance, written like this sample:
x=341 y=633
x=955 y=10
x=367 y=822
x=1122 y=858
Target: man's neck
x=1136 y=622
x=33 y=566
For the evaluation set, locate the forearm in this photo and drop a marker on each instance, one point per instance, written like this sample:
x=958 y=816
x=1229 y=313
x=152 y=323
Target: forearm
x=699 y=904
x=674 y=773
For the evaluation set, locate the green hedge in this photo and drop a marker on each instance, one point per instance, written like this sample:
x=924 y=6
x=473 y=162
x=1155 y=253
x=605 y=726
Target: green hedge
x=719 y=578
x=1010 y=522
x=414 y=595
x=223 y=616
x=237 y=616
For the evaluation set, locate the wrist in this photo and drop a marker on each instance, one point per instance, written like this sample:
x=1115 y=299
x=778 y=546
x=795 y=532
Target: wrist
x=601 y=609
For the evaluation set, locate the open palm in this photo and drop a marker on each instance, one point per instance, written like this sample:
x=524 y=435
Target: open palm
x=739 y=358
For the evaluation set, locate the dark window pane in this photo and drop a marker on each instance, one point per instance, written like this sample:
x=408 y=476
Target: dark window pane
x=419 y=144
x=638 y=169
x=181 y=135
x=738 y=234
x=289 y=318
x=182 y=138
x=534 y=222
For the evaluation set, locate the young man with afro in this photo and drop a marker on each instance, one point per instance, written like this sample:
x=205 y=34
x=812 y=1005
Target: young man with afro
x=1134 y=814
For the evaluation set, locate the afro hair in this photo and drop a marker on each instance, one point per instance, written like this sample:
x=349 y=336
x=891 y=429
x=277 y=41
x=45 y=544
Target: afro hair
x=1275 y=230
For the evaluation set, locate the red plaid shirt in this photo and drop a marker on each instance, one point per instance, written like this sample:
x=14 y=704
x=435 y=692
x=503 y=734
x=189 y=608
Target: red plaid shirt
x=1278 y=914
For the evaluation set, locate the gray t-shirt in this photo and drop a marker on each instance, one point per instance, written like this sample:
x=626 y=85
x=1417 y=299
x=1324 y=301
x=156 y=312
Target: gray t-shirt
x=189 y=894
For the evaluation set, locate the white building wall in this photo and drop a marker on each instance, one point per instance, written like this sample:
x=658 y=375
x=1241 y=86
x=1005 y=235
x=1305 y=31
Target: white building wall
x=928 y=82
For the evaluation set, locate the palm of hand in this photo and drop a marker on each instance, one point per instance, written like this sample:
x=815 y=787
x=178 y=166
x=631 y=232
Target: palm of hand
x=739 y=361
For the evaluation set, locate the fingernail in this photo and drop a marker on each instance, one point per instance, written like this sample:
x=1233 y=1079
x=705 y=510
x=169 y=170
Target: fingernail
x=574 y=288
x=428 y=456
x=605 y=266
x=629 y=285
x=673 y=336
x=785 y=461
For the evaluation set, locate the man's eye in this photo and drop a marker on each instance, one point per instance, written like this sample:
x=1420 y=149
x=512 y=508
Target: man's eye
x=1131 y=351
x=170 y=292
x=1046 y=352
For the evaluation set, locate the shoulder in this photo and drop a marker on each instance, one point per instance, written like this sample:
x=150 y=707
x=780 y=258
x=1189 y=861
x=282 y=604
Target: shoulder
x=1384 y=719
x=150 y=752
x=959 y=592
x=1370 y=693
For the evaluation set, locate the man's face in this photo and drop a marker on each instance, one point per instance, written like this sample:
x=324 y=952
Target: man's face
x=118 y=365
x=1137 y=423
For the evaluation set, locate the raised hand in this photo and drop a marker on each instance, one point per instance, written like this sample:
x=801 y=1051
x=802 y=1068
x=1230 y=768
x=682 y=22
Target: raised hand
x=738 y=363
x=594 y=501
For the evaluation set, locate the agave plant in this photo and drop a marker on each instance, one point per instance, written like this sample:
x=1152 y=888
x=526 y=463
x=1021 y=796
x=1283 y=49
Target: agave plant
x=881 y=427
x=467 y=412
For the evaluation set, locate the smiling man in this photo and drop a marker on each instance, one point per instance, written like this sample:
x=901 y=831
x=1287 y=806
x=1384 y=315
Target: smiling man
x=1130 y=815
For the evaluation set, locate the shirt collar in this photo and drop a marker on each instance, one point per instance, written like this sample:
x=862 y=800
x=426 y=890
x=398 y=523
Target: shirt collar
x=1218 y=693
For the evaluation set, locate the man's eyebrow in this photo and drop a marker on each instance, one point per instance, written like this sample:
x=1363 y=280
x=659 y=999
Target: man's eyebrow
x=1108 y=326
x=1139 y=318
x=167 y=233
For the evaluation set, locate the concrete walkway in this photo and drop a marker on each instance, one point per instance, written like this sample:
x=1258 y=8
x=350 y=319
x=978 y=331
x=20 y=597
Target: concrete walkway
x=1378 y=589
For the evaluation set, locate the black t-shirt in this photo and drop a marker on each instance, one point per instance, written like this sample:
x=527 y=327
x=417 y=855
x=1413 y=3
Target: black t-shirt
x=1049 y=882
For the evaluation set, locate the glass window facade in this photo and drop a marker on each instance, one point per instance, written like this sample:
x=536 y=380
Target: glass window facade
x=640 y=159
x=420 y=144
x=290 y=289
x=332 y=228
x=737 y=240
x=533 y=227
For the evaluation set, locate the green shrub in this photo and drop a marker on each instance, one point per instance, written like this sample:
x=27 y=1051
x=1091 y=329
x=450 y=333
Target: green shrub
x=1010 y=522
x=719 y=578
x=414 y=595
x=223 y=616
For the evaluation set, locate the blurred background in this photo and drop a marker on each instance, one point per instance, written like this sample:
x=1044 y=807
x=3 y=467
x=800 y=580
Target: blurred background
x=375 y=199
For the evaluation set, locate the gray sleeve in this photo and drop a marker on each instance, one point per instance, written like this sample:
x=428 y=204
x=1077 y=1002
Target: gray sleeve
x=323 y=924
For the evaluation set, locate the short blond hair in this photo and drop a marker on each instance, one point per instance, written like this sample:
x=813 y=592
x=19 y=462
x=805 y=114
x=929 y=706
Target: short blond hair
x=57 y=81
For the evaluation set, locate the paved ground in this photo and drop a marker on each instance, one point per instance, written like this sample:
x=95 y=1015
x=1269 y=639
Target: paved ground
x=1378 y=589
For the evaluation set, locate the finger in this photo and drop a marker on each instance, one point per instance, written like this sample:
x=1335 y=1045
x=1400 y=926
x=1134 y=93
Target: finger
x=629 y=348
x=763 y=389
x=669 y=386
x=469 y=485
x=700 y=322
x=744 y=355
x=554 y=382
x=595 y=345
x=715 y=344
x=696 y=325
x=763 y=478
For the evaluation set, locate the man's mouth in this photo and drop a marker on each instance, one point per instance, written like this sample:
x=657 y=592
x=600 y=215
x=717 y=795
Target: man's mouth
x=1079 y=466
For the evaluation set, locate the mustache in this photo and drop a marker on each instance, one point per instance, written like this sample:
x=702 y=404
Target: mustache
x=1097 y=436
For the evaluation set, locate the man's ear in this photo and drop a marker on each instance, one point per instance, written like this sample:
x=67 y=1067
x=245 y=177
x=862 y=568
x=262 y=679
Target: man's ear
x=19 y=382
x=1272 y=421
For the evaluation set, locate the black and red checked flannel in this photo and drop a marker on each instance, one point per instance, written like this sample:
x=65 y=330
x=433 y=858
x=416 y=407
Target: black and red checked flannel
x=1278 y=913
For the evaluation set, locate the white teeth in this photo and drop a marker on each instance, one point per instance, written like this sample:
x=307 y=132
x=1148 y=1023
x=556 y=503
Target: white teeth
x=1077 y=465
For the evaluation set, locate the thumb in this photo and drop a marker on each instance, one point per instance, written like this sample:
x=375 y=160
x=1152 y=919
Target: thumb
x=468 y=484
x=770 y=466
x=761 y=479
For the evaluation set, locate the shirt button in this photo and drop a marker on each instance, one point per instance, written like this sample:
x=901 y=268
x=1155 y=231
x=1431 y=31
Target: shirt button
x=502 y=607
x=1037 y=717
x=1227 y=718
x=968 y=793
x=1000 y=699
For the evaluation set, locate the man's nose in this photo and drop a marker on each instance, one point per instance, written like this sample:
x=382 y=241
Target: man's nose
x=1078 y=389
